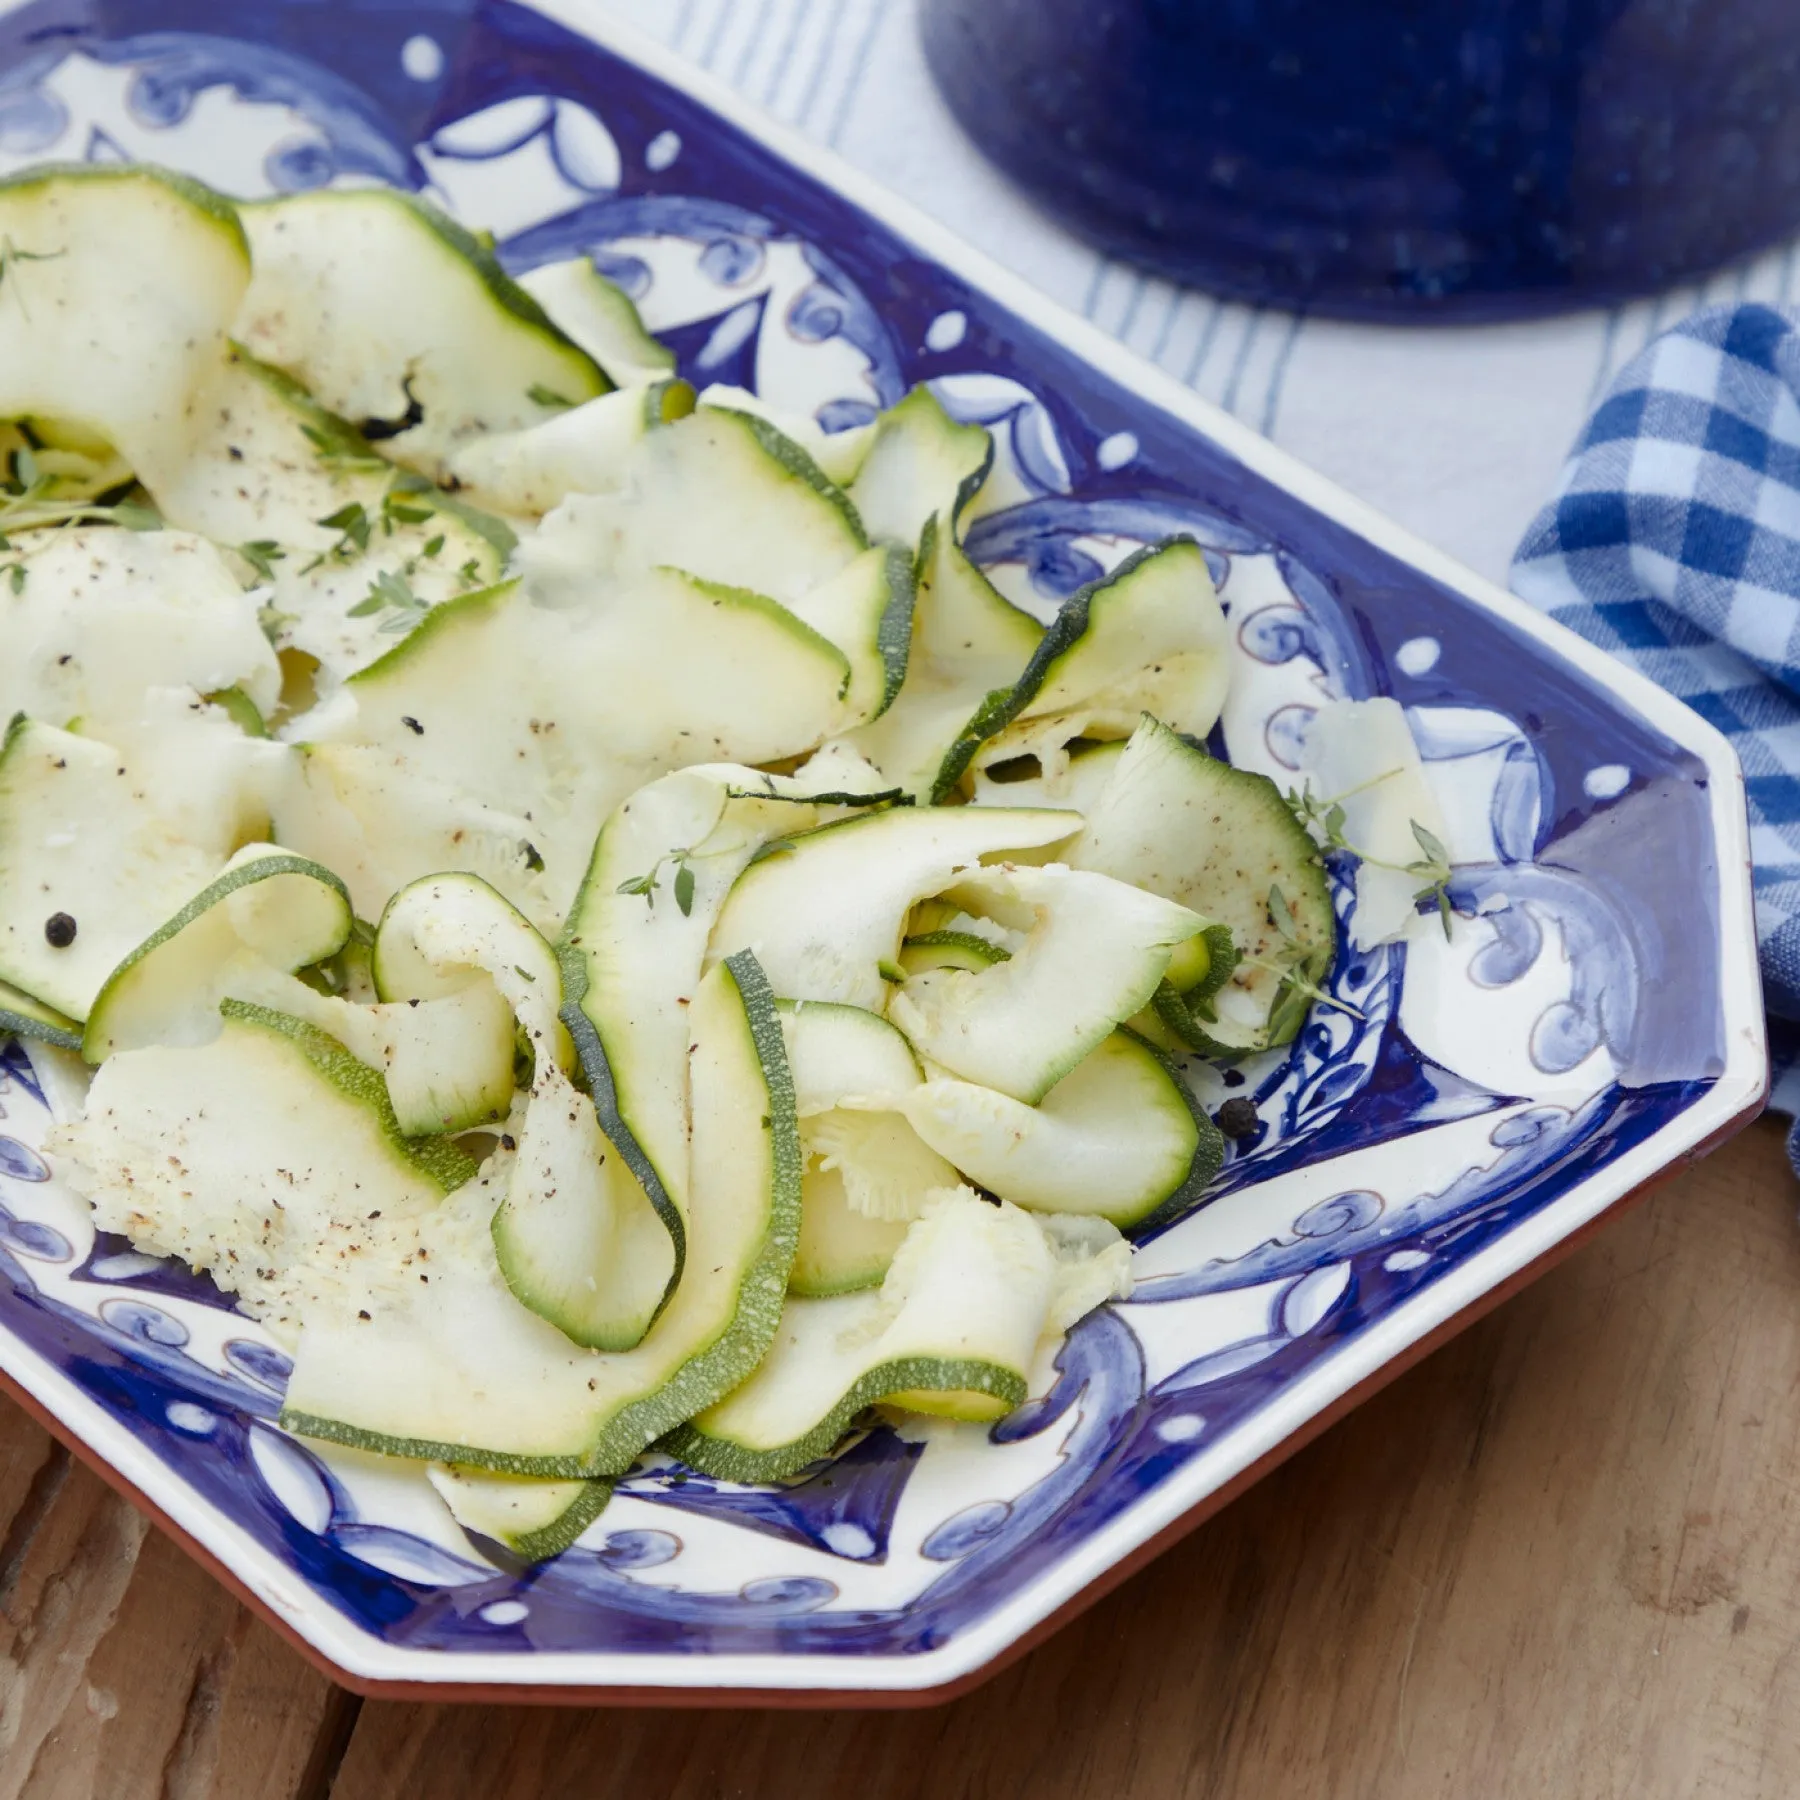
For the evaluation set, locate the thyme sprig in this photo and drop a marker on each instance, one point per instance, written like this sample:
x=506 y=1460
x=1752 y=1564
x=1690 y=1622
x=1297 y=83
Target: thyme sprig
x=1293 y=972
x=390 y=595
x=648 y=883
x=1325 y=819
x=29 y=502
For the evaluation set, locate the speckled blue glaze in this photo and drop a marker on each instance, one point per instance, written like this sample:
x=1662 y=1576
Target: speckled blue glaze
x=1098 y=466
x=1455 y=159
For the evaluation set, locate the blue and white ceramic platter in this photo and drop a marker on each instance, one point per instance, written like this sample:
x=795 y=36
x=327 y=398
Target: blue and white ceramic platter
x=1594 y=1018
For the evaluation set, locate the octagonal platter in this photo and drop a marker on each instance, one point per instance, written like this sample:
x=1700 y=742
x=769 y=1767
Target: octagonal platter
x=1466 y=1111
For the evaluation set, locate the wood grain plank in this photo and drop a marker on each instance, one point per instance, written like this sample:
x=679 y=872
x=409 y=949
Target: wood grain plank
x=125 y=1671
x=1561 y=1557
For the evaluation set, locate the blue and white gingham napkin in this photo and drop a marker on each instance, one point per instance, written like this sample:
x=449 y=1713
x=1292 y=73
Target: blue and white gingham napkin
x=1674 y=542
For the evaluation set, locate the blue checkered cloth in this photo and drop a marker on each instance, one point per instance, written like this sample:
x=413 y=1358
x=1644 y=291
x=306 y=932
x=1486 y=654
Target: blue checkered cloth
x=1674 y=542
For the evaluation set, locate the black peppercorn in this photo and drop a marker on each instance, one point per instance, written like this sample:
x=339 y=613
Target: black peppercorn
x=59 y=929
x=1237 y=1117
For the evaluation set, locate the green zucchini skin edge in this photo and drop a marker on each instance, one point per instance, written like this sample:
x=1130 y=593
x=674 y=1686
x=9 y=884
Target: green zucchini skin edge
x=1188 y=1014
x=704 y=1378
x=196 y=193
x=442 y=617
x=499 y=1462
x=209 y=896
x=872 y=802
x=341 y=438
x=533 y=1547
x=1290 y=1011
x=728 y=1461
x=719 y=1368
x=480 y=257
x=1209 y=1152
x=603 y=1091
x=966 y=941
x=240 y=709
x=797 y=461
x=18 y=1024
x=970 y=486
x=893 y=637
x=723 y=593
x=1004 y=705
x=437 y=1159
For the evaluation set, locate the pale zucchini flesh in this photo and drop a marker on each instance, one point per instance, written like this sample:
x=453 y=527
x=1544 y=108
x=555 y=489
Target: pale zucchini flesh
x=77 y=839
x=825 y=915
x=448 y=1062
x=660 y=873
x=390 y=312
x=464 y=1374
x=123 y=284
x=920 y=464
x=840 y=1249
x=967 y=643
x=1174 y=821
x=380 y=823
x=844 y=1052
x=1092 y=953
x=578 y=1238
x=839 y=454
x=350 y=548
x=99 y=615
x=1116 y=1137
x=598 y=315
x=246 y=1156
x=1361 y=758
x=886 y=1171
x=866 y=611
x=868 y=1173
x=954 y=1328
x=585 y=450
x=721 y=495
x=268 y=907
x=551 y=716
x=1148 y=637
x=529 y=1519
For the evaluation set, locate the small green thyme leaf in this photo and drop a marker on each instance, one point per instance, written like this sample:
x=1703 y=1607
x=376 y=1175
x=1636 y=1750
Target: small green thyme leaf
x=389 y=594
x=136 y=515
x=1428 y=842
x=262 y=554
x=342 y=450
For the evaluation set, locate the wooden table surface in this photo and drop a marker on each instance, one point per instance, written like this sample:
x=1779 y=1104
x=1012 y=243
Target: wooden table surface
x=1559 y=1558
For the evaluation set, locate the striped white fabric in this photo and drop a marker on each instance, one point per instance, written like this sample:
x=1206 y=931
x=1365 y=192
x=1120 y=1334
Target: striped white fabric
x=1458 y=433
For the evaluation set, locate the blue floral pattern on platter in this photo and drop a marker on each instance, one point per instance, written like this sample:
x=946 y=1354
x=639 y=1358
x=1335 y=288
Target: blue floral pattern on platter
x=1460 y=1089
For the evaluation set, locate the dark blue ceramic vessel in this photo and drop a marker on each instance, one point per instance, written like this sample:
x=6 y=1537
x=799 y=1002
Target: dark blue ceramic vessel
x=1393 y=158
